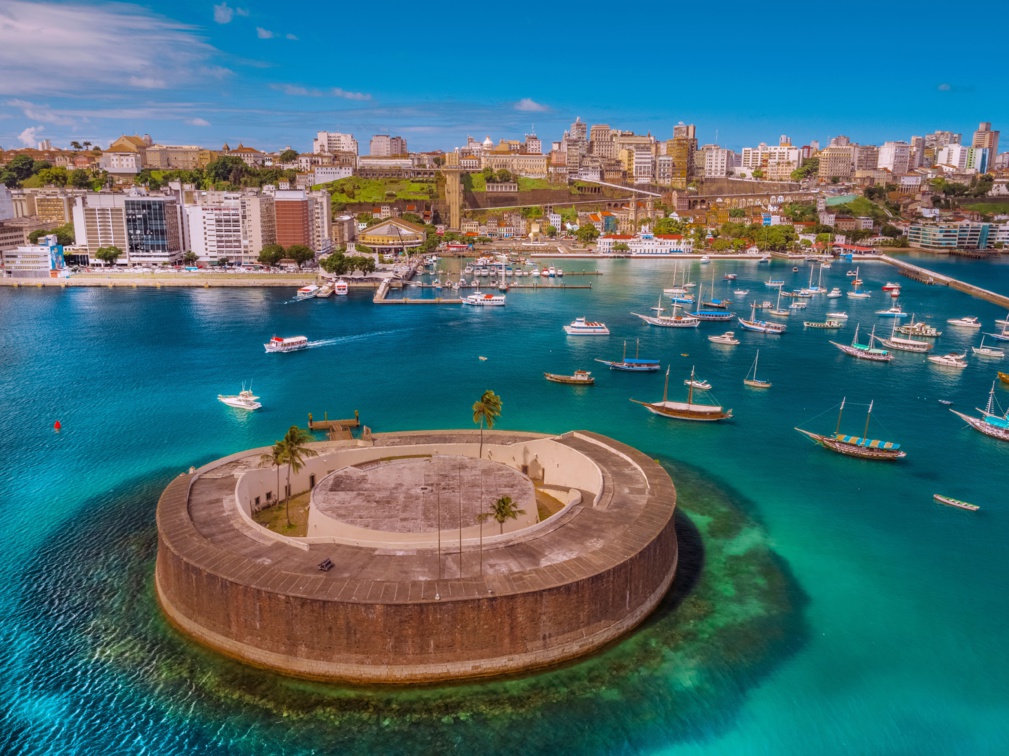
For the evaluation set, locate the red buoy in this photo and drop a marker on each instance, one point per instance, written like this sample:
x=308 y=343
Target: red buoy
x=57 y=426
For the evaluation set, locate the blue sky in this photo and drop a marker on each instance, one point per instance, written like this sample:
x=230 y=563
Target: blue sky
x=272 y=74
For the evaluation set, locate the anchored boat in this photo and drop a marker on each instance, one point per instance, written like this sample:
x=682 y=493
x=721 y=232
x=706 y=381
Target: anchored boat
x=688 y=410
x=755 y=382
x=636 y=364
x=864 y=351
x=950 y=501
x=579 y=378
x=862 y=447
x=990 y=423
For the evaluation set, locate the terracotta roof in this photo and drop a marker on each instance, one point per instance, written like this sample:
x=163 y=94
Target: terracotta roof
x=668 y=236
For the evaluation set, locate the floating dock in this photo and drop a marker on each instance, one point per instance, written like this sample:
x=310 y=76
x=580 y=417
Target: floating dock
x=337 y=430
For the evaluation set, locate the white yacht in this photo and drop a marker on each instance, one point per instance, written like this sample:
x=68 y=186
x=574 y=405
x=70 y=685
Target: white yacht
x=582 y=327
x=244 y=399
x=966 y=322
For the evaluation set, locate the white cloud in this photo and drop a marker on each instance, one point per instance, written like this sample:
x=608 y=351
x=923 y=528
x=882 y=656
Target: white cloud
x=945 y=88
x=41 y=113
x=223 y=14
x=264 y=33
x=198 y=122
x=528 y=105
x=337 y=92
x=89 y=48
x=30 y=136
x=243 y=12
x=146 y=82
x=291 y=37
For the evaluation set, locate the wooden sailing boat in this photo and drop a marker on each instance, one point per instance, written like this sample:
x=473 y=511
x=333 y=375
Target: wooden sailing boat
x=637 y=364
x=853 y=446
x=755 y=382
x=990 y=423
x=688 y=410
x=864 y=351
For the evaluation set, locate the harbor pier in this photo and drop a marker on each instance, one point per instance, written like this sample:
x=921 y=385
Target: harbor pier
x=931 y=278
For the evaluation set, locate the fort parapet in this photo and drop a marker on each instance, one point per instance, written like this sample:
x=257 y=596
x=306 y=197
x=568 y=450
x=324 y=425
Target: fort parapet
x=420 y=589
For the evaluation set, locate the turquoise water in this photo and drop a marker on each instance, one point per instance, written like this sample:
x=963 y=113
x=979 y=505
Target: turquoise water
x=893 y=644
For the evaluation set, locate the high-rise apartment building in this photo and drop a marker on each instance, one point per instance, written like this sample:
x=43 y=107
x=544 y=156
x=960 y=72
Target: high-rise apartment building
x=895 y=157
x=232 y=226
x=332 y=141
x=940 y=139
x=532 y=145
x=836 y=161
x=294 y=218
x=865 y=156
x=148 y=228
x=383 y=145
x=985 y=138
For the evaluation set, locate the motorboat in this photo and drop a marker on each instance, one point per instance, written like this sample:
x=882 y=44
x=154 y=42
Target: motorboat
x=307 y=292
x=697 y=383
x=893 y=312
x=578 y=378
x=729 y=277
x=479 y=299
x=340 y=288
x=835 y=293
x=705 y=259
x=837 y=315
x=728 y=338
x=560 y=272
x=965 y=322
x=890 y=286
x=545 y=273
x=797 y=306
x=583 y=327
x=286 y=344
x=244 y=399
x=742 y=292
x=551 y=271
x=952 y=360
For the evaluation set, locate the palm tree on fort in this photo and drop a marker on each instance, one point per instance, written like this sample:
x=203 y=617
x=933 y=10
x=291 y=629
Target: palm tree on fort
x=502 y=510
x=276 y=458
x=485 y=412
x=296 y=451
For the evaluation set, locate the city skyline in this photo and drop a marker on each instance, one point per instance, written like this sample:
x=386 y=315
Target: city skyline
x=211 y=73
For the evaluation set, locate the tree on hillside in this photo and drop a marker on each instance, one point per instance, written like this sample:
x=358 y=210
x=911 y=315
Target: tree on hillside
x=299 y=253
x=485 y=412
x=109 y=255
x=288 y=156
x=271 y=254
x=79 y=179
x=224 y=168
x=668 y=226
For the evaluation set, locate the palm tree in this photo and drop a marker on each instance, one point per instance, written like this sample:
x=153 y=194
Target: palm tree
x=86 y=145
x=76 y=146
x=295 y=452
x=276 y=458
x=504 y=509
x=486 y=411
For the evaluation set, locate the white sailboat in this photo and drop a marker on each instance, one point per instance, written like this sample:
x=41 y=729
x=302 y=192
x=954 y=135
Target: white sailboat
x=755 y=382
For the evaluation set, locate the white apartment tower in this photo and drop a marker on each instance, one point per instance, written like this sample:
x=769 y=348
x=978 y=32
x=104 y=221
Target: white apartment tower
x=332 y=141
x=896 y=157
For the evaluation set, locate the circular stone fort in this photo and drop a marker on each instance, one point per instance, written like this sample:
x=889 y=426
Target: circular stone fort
x=405 y=575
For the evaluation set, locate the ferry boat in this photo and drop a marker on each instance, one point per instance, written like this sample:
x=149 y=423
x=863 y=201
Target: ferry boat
x=478 y=299
x=855 y=446
x=307 y=292
x=990 y=424
x=835 y=293
x=728 y=338
x=918 y=329
x=637 y=364
x=244 y=399
x=761 y=326
x=952 y=360
x=905 y=345
x=949 y=501
x=864 y=351
x=579 y=378
x=965 y=322
x=583 y=327
x=340 y=288
x=286 y=344
x=688 y=410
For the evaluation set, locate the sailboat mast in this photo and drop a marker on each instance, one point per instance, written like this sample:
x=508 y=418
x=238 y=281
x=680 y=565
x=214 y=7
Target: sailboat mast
x=991 y=398
x=637 y=348
x=624 y=358
x=838 y=428
x=690 y=387
x=865 y=433
x=665 y=390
